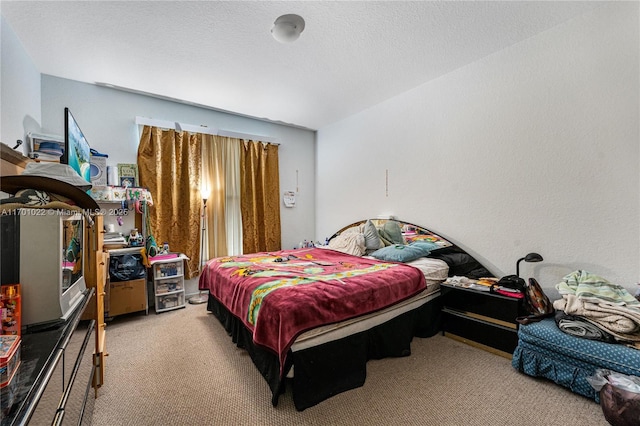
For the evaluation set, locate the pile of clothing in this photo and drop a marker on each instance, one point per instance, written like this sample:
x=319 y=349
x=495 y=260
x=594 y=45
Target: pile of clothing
x=593 y=308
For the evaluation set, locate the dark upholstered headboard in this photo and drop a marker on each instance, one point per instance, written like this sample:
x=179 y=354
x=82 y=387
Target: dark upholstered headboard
x=460 y=262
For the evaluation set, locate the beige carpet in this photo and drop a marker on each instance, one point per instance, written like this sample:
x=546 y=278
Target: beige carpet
x=181 y=368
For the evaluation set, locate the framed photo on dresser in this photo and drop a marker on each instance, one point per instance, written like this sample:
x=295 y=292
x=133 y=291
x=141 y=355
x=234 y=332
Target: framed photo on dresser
x=128 y=175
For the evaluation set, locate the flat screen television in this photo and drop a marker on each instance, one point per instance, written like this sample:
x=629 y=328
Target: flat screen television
x=77 y=152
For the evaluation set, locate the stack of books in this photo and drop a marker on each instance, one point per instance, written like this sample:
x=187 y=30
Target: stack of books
x=114 y=240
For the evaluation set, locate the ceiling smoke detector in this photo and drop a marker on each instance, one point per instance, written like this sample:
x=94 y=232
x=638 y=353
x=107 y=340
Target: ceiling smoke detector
x=287 y=28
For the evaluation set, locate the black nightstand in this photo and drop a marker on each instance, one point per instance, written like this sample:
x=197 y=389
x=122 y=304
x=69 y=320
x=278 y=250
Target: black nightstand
x=480 y=318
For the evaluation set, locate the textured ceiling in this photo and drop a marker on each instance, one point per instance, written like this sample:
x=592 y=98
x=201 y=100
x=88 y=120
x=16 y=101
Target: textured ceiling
x=351 y=55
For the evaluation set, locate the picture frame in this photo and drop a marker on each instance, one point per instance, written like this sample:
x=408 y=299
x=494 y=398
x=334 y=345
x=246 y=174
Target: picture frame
x=128 y=175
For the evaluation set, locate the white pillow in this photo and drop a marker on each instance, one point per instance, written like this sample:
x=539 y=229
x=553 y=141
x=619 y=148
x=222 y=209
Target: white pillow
x=354 y=229
x=433 y=269
x=351 y=243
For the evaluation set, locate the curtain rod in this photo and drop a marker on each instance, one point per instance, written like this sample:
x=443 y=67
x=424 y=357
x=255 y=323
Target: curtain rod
x=192 y=128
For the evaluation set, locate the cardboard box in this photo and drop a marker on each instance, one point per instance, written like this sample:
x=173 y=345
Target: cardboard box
x=9 y=358
x=127 y=296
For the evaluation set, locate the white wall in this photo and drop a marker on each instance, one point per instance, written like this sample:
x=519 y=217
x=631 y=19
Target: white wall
x=534 y=148
x=19 y=90
x=107 y=118
x=32 y=102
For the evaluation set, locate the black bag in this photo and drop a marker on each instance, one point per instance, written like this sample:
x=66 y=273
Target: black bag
x=513 y=282
x=126 y=267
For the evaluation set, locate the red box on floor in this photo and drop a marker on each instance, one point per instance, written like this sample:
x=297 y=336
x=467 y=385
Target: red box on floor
x=9 y=358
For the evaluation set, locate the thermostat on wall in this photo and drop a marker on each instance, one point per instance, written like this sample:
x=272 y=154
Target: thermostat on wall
x=289 y=198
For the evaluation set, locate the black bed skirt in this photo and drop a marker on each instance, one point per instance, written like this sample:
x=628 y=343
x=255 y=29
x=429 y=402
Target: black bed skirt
x=326 y=370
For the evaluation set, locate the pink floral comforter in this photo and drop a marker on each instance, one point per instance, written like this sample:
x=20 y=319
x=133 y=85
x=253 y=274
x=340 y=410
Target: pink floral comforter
x=281 y=294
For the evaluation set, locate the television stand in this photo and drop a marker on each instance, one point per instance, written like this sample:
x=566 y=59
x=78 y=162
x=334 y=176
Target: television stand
x=34 y=395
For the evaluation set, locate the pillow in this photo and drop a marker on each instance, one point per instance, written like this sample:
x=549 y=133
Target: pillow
x=371 y=237
x=391 y=232
x=433 y=269
x=351 y=243
x=426 y=245
x=400 y=253
x=428 y=237
x=358 y=229
x=460 y=263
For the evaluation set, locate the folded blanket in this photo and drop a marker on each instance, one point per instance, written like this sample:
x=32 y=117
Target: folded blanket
x=607 y=305
x=581 y=327
x=620 y=321
x=593 y=288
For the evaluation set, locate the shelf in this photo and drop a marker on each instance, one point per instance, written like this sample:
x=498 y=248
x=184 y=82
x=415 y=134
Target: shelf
x=118 y=194
x=168 y=287
x=170 y=292
x=168 y=282
x=169 y=277
x=170 y=301
x=13 y=157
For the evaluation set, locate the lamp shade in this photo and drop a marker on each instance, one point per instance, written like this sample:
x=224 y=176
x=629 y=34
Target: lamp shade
x=531 y=257
x=287 y=28
x=204 y=192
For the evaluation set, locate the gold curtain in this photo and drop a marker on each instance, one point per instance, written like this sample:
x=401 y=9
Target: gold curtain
x=260 y=197
x=214 y=180
x=169 y=164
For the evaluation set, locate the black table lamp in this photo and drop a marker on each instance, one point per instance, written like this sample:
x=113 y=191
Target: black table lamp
x=531 y=257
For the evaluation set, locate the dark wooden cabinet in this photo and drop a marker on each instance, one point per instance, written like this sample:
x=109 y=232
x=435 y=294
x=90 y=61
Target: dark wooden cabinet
x=481 y=318
x=54 y=380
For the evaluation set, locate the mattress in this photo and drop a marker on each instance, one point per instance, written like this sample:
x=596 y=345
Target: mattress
x=279 y=295
x=435 y=271
x=328 y=333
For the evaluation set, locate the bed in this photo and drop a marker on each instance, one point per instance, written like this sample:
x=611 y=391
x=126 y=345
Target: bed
x=311 y=318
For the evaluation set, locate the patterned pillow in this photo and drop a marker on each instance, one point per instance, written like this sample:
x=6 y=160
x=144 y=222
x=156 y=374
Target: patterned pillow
x=428 y=238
